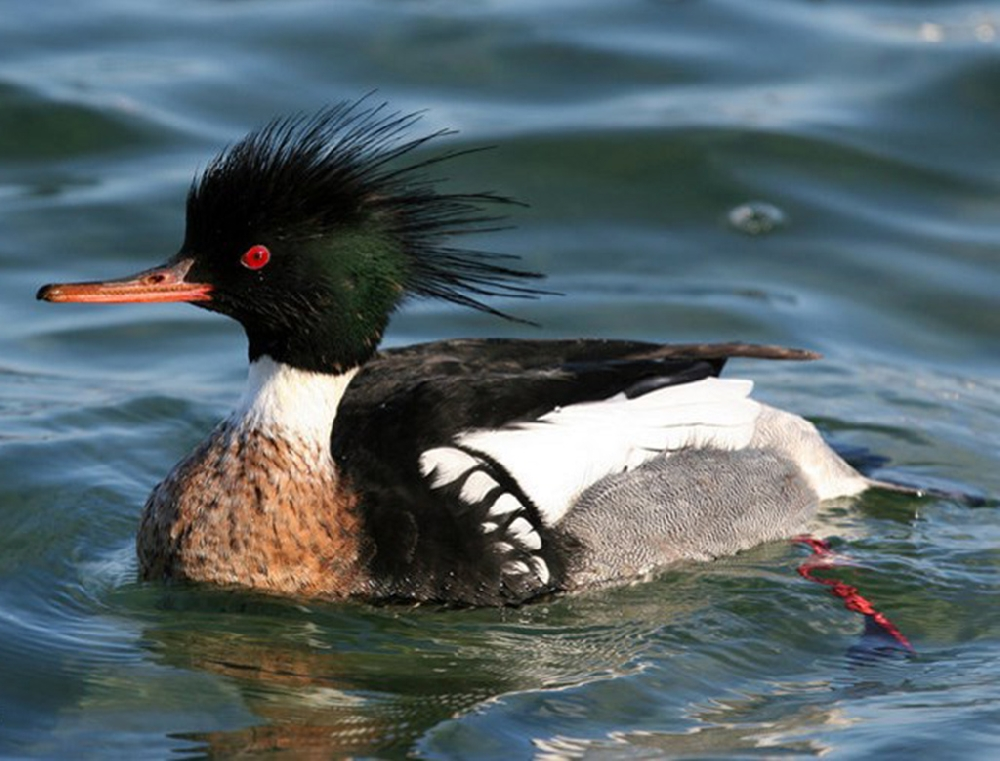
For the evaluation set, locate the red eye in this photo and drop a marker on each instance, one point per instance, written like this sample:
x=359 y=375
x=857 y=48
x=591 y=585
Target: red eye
x=255 y=257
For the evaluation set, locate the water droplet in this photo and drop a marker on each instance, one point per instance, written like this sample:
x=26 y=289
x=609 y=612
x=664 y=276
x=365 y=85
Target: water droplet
x=756 y=218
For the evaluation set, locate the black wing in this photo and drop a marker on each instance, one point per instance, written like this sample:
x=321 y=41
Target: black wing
x=430 y=544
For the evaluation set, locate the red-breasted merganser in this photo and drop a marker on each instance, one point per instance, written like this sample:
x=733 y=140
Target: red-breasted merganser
x=482 y=472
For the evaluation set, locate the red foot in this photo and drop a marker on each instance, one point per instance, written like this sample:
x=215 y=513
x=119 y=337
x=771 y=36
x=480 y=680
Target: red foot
x=824 y=557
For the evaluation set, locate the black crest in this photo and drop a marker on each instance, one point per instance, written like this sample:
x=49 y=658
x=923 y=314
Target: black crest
x=305 y=177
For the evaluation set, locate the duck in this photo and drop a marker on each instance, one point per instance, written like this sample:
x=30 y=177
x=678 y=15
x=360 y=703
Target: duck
x=470 y=472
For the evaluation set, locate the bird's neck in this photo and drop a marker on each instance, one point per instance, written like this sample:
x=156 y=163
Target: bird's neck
x=288 y=403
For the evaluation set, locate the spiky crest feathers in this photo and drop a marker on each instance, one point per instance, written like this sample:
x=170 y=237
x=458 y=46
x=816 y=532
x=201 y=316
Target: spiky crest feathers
x=308 y=177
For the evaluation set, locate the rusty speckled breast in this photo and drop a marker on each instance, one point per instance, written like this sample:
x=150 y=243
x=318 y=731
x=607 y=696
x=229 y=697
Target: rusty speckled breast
x=248 y=508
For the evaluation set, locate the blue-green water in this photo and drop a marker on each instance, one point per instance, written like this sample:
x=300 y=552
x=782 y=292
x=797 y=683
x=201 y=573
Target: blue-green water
x=634 y=129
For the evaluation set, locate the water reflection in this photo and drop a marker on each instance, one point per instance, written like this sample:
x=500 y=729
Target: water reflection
x=339 y=680
x=351 y=679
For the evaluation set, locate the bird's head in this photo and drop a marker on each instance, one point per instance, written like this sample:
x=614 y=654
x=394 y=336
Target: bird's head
x=312 y=230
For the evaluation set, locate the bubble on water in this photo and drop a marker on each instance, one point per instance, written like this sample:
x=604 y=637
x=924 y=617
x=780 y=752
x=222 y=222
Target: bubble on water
x=931 y=32
x=756 y=218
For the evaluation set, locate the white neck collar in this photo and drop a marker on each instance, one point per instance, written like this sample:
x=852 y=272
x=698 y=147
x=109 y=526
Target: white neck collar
x=298 y=402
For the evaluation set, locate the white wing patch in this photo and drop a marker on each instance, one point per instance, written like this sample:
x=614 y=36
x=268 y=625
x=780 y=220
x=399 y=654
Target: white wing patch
x=477 y=485
x=506 y=524
x=505 y=505
x=446 y=464
x=556 y=457
x=524 y=534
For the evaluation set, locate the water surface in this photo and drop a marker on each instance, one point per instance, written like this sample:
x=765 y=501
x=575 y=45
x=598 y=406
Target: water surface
x=633 y=129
